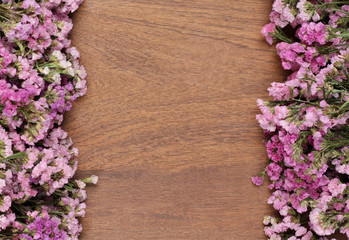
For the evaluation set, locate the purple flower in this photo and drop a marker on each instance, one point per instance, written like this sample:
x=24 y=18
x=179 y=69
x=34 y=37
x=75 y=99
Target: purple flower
x=267 y=32
x=257 y=180
x=312 y=32
x=274 y=171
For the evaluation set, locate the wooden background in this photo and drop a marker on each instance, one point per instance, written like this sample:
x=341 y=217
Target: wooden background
x=168 y=122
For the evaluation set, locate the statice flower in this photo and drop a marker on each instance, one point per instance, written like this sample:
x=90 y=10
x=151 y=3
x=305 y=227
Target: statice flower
x=306 y=122
x=40 y=78
x=312 y=32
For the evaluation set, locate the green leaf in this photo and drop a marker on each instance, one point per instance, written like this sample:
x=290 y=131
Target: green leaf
x=16 y=156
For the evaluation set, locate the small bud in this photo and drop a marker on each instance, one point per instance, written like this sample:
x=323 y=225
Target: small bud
x=93 y=179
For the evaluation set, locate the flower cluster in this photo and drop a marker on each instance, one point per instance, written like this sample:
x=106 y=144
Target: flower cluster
x=305 y=126
x=40 y=77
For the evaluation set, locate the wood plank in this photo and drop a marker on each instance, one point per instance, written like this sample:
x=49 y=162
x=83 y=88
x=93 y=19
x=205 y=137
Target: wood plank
x=168 y=122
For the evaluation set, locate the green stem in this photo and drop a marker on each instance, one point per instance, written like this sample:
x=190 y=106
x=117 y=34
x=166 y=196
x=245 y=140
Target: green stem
x=331 y=3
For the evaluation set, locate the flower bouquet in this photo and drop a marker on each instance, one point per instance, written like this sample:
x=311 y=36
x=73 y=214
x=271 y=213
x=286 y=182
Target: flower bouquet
x=306 y=128
x=40 y=77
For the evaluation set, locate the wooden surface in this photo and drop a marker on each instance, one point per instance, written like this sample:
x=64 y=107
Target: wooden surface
x=168 y=122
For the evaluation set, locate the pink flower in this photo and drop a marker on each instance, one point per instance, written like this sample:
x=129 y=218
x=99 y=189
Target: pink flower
x=267 y=32
x=257 y=180
x=302 y=16
x=335 y=187
x=323 y=104
x=317 y=140
x=274 y=171
x=6 y=220
x=6 y=203
x=301 y=231
x=281 y=112
x=317 y=225
x=312 y=32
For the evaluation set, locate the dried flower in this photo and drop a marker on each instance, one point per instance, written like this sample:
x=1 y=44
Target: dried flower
x=306 y=124
x=40 y=77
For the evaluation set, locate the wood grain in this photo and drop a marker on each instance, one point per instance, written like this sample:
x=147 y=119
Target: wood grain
x=168 y=122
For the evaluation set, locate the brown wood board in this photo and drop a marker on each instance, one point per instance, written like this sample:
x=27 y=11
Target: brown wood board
x=168 y=122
